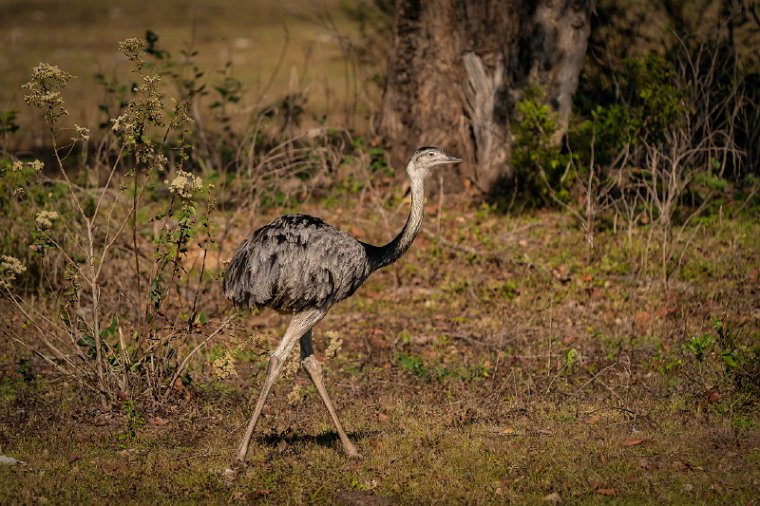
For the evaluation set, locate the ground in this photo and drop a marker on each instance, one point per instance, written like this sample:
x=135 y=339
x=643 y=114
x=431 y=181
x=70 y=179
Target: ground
x=499 y=361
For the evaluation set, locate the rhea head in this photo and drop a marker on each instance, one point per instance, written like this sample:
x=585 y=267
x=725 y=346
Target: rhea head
x=426 y=158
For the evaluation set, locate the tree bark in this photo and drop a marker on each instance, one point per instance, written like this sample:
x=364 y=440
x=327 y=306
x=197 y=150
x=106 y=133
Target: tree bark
x=457 y=67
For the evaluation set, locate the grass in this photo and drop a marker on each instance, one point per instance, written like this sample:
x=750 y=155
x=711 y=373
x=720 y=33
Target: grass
x=289 y=44
x=456 y=381
x=497 y=362
x=417 y=452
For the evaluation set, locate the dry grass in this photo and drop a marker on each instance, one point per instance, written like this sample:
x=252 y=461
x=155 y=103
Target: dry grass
x=274 y=47
x=456 y=379
x=497 y=362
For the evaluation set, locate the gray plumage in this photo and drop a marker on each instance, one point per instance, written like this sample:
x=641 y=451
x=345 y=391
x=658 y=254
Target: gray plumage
x=301 y=265
x=294 y=263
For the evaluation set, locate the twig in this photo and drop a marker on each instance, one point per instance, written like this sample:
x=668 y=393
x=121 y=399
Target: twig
x=548 y=388
x=193 y=352
x=460 y=247
x=577 y=390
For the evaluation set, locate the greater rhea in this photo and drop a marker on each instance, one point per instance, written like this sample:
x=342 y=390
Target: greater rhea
x=300 y=265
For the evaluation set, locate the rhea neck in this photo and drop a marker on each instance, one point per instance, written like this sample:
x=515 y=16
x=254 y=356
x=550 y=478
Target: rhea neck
x=385 y=255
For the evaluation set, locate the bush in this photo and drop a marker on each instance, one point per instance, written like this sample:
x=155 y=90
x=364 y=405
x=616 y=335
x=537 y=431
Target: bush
x=124 y=316
x=539 y=163
x=661 y=148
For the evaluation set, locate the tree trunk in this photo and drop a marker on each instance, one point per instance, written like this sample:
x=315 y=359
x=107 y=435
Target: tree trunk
x=457 y=67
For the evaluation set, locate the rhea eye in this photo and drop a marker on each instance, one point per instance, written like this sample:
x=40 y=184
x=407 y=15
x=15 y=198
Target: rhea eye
x=431 y=154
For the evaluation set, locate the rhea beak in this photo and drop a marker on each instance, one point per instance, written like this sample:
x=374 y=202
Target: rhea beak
x=450 y=159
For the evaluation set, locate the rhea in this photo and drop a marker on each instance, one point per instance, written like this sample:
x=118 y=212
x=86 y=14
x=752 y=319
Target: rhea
x=300 y=265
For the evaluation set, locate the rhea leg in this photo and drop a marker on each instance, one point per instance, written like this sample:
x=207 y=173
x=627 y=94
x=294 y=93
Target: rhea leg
x=313 y=368
x=299 y=325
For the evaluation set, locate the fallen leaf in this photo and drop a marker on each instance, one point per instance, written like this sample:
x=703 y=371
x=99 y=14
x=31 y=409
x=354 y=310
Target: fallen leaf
x=633 y=442
x=606 y=491
x=664 y=311
x=642 y=318
x=553 y=498
x=594 y=419
x=713 y=397
x=156 y=420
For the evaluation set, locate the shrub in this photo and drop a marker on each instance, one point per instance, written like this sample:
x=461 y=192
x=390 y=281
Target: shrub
x=539 y=163
x=120 y=331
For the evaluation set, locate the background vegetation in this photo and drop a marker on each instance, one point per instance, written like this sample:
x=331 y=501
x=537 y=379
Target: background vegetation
x=588 y=335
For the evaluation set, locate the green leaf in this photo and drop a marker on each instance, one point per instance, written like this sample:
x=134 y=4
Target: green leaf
x=110 y=331
x=729 y=359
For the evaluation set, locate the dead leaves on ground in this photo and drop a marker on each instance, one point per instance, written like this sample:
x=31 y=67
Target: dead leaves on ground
x=633 y=441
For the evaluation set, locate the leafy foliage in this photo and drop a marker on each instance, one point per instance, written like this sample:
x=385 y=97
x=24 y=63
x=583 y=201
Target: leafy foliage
x=537 y=159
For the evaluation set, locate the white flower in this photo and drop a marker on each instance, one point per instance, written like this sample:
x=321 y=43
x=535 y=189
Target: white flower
x=37 y=166
x=10 y=267
x=81 y=134
x=132 y=48
x=161 y=162
x=185 y=183
x=121 y=124
x=18 y=165
x=41 y=90
x=45 y=219
x=11 y=264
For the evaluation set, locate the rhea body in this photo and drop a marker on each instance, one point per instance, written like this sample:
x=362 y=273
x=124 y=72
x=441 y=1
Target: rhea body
x=299 y=264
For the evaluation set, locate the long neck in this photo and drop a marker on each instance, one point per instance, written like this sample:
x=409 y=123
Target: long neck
x=386 y=255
